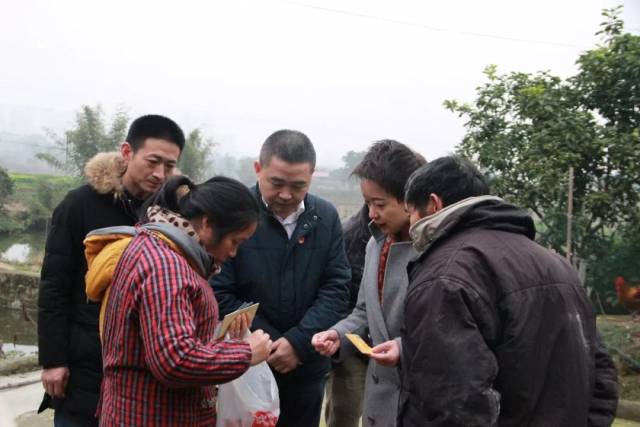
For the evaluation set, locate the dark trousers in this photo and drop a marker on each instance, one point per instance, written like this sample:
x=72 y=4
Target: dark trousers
x=300 y=399
x=65 y=419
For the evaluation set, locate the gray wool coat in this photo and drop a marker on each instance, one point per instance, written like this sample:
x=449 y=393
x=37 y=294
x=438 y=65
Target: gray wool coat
x=381 y=323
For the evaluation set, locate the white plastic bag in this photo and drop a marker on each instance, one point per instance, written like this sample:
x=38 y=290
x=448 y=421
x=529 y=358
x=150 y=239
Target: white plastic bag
x=249 y=401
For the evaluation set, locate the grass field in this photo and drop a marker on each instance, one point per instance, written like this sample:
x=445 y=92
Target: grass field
x=622 y=337
x=625 y=423
x=27 y=182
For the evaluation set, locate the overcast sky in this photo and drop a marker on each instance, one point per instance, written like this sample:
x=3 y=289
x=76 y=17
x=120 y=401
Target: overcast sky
x=345 y=72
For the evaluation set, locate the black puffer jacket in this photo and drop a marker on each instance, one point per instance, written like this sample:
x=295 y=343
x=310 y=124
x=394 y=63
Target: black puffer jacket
x=356 y=235
x=498 y=330
x=67 y=321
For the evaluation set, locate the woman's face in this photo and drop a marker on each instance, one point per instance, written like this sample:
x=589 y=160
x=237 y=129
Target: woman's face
x=228 y=246
x=387 y=212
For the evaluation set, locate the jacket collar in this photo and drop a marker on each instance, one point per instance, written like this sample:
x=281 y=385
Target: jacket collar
x=309 y=202
x=428 y=229
x=375 y=231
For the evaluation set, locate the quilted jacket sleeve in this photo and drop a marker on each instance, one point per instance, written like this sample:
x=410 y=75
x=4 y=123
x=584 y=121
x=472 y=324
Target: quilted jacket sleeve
x=56 y=285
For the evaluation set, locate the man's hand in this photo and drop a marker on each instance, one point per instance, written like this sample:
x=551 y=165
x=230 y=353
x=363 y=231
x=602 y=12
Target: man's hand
x=387 y=353
x=326 y=343
x=54 y=381
x=283 y=357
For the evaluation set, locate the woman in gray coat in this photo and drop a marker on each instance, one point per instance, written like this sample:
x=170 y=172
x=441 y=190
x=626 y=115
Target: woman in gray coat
x=379 y=311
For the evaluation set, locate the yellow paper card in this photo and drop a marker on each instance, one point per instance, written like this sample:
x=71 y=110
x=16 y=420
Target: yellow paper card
x=359 y=343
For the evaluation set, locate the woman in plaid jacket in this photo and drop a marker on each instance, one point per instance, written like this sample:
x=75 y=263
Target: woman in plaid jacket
x=161 y=361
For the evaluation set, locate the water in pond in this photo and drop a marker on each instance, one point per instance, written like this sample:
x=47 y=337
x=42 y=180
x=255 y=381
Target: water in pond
x=18 y=252
x=22 y=248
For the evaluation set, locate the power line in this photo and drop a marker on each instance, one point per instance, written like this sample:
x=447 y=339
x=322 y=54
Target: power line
x=430 y=28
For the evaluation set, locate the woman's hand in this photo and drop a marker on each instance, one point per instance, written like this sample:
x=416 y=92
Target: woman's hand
x=387 y=353
x=260 y=344
x=239 y=326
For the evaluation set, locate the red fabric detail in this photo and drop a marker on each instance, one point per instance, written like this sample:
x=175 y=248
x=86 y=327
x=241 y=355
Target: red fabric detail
x=382 y=266
x=264 y=419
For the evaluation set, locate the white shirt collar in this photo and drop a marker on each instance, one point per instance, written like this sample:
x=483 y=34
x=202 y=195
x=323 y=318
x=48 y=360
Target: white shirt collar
x=292 y=218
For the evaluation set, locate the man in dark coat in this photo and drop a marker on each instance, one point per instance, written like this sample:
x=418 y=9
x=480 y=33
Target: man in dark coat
x=498 y=329
x=68 y=342
x=296 y=268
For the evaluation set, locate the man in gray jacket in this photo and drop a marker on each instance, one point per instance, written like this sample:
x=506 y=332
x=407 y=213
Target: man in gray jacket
x=378 y=314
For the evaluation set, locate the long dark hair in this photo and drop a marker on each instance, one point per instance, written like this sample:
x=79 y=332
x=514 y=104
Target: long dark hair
x=226 y=203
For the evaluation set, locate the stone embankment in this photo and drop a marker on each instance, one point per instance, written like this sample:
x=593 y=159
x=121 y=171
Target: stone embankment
x=18 y=289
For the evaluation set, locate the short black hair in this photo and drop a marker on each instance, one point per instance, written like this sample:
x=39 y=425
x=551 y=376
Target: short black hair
x=227 y=203
x=154 y=126
x=389 y=163
x=452 y=178
x=291 y=146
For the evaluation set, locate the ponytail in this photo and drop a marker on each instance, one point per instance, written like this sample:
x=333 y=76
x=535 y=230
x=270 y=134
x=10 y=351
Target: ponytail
x=167 y=197
x=228 y=204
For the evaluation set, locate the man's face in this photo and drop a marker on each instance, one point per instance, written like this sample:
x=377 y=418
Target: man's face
x=149 y=167
x=434 y=204
x=387 y=212
x=283 y=185
x=415 y=214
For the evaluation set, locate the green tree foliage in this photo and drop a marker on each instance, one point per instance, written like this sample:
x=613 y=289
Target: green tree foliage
x=6 y=187
x=89 y=137
x=46 y=194
x=527 y=130
x=195 y=158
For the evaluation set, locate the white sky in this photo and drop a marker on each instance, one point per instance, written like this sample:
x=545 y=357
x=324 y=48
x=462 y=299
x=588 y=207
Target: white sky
x=242 y=69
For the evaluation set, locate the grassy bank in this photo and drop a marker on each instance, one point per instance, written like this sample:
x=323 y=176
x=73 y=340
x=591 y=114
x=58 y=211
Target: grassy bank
x=621 y=334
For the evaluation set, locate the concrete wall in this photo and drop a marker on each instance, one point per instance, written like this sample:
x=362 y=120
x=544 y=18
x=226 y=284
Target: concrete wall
x=17 y=287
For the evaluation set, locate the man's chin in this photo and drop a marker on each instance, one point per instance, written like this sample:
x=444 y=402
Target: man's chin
x=283 y=211
x=153 y=188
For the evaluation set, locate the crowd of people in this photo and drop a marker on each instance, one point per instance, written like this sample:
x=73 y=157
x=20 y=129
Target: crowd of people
x=470 y=322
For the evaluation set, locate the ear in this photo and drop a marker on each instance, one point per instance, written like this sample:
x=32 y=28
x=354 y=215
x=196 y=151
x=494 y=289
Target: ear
x=257 y=167
x=434 y=204
x=127 y=152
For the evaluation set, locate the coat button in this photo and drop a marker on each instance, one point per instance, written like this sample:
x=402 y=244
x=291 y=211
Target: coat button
x=315 y=217
x=306 y=226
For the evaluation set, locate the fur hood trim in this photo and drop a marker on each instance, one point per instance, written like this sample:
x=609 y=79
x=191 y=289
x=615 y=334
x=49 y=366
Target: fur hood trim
x=104 y=173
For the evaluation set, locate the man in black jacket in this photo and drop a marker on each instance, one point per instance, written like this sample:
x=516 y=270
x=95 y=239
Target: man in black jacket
x=118 y=183
x=296 y=268
x=498 y=329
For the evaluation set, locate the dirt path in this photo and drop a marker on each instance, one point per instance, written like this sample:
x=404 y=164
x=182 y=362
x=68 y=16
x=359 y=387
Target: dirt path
x=20 y=396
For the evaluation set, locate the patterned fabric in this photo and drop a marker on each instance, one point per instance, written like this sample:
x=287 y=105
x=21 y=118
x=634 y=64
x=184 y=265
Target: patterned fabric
x=161 y=215
x=382 y=266
x=160 y=359
x=157 y=214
